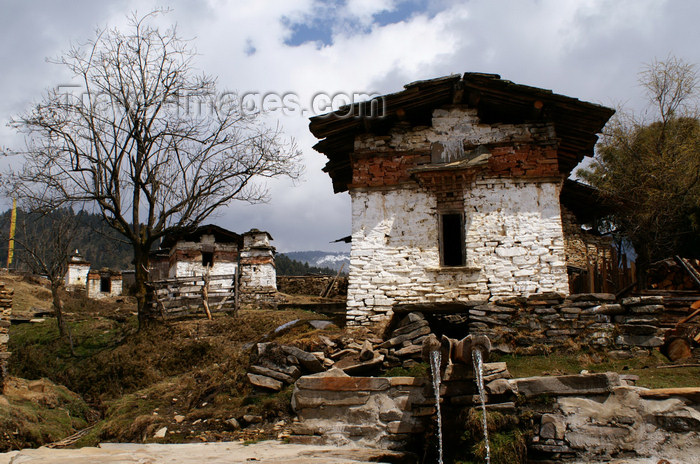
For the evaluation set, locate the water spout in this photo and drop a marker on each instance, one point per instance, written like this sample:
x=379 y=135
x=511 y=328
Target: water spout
x=479 y=375
x=435 y=371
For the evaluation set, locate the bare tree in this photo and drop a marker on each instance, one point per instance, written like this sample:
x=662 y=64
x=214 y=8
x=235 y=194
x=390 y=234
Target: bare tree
x=44 y=242
x=648 y=167
x=148 y=143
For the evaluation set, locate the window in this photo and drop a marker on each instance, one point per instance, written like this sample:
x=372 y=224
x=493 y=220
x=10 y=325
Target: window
x=452 y=239
x=207 y=258
x=105 y=284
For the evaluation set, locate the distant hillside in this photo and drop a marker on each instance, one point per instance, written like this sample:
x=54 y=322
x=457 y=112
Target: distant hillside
x=97 y=242
x=330 y=259
x=292 y=267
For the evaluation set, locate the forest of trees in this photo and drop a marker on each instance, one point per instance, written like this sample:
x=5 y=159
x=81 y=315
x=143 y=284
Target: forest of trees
x=98 y=243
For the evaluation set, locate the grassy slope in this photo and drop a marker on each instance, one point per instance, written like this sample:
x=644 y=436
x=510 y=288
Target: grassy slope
x=195 y=369
x=140 y=381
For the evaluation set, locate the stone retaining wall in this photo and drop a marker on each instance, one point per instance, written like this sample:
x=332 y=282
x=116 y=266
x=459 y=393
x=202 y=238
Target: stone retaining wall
x=312 y=285
x=5 y=313
x=585 y=417
x=597 y=320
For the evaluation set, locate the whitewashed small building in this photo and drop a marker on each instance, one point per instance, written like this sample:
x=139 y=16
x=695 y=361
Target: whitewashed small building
x=219 y=252
x=103 y=283
x=258 y=272
x=455 y=187
x=77 y=272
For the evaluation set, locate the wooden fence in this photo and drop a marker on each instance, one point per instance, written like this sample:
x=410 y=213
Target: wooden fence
x=606 y=272
x=186 y=295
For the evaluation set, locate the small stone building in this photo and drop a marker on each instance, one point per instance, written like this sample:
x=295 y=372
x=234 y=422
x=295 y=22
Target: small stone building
x=258 y=272
x=77 y=272
x=455 y=190
x=104 y=283
x=220 y=252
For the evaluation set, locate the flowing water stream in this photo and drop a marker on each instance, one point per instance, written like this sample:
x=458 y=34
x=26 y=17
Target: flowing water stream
x=478 y=360
x=435 y=371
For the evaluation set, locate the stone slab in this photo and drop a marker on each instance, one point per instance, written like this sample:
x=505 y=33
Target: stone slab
x=343 y=383
x=583 y=384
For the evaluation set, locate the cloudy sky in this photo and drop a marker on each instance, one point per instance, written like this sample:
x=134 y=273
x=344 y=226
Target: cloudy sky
x=588 y=49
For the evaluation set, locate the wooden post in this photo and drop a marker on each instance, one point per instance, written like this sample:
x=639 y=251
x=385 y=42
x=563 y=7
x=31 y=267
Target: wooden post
x=605 y=286
x=205 y=292
x=236 y=284
x=591 y=273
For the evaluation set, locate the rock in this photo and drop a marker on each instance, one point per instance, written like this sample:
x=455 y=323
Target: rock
x=233 y=423
x=306 y=360
x=587 y=384
x=343 y=353
x=405 y=426
x=409 y=328
x=365 y=366
x=504 y=408
x=321 y=325
x=499 y=387
x=639 y=329
x=643 y=300
x=252 y=419
x=314 y=399
x=178 y=419
x=408 y=351
x=553 y=427
x=647 y=309
x=411 y=317
x=367 y=352
x=639 y=340
x=344 y=383
x=619 y=354
x=273 y=374
x=327 y=341
x=262 y=381
x=160 y=433
x=425 y=330
x=591 y=297
x=36 y=386
x=496 y=370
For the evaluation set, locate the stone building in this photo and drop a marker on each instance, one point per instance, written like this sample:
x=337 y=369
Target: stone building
x=455 y=189
x=77 y=272
x=220 y=252
x=258 y=272
x=103 y=283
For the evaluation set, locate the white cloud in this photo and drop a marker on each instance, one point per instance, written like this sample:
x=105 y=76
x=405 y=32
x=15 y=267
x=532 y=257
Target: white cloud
x=588 y=49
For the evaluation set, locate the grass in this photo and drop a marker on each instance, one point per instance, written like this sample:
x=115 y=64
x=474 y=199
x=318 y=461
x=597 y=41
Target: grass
x=140 y=381
x=32 y=418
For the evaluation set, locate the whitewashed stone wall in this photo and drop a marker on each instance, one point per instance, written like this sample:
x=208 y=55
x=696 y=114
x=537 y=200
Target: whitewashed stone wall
x=261 y=276
x=395 y=256
x=76 y=275
x=514 y=247
x=514 y=234
x=193 y=267
x=258 y=272
x=94 y=288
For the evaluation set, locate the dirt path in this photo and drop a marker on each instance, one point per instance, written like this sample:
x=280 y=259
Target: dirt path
x=268 y=452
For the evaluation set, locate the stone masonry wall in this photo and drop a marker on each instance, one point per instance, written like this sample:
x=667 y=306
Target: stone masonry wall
x=5 y=313
x=582 y=246
x=312 y=285
x=395 y=257
x=514 y=247
x=596 y=320
x=514 y=234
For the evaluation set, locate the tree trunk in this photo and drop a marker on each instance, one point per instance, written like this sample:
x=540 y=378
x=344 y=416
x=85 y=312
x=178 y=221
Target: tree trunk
x=58 y=309
x=141 y=279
